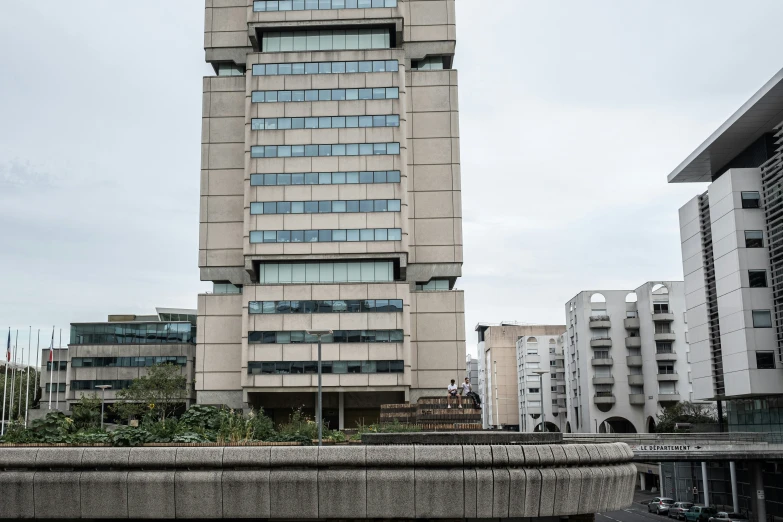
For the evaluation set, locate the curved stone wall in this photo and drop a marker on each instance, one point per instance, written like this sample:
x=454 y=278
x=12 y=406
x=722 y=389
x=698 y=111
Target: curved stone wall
x=338 y=482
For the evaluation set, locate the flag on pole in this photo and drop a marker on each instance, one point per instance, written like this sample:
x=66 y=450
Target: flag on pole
x=8 y=347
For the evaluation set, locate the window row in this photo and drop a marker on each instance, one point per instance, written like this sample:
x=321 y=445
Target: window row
x=325 y=178
x=313 y=151
x=431 y=63
x=127 y=362
x=338 y=336
x=334 y=367
x=350 y=272
x=324 y=207
x=297 y=68
x=60 y=388
x=326 y=236
x=433 y=285
x=133 y=333
x=325 y=307
x=226 y=288
x=326 y=40
x=62 y=366
x=325 y=122
x=90 y=385
x=307 y=5
x=375 y=93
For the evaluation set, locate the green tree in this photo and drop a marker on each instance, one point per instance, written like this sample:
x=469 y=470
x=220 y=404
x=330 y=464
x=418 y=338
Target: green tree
x=86 y=413
x=685 y=412
x=160 y=392
x=20 y=386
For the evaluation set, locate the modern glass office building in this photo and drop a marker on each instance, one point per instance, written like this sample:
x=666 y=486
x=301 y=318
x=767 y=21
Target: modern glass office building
x=330 y=200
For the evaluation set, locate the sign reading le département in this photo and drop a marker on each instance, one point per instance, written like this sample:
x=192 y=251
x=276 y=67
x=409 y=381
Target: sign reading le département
x=666 y=447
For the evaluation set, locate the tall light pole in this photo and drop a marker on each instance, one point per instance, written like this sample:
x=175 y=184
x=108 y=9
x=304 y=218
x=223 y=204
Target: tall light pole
x=103 y=388
x=540 y=374
x=319 y=406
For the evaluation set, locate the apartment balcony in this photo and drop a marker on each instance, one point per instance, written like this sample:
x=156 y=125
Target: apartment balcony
x=603 y=361
x=601 y=342
x=561 y=396
x=600 y=321
x=636 y=399
x=603 y=380
x=668 y=337
x=664 y=317
x=668 y=377
x=604 y=398
x=668 y=397
x=671 y=356
x=633 y=342
x=631 y=323
x=636 y=380
x=633 y=360
x=560 y=381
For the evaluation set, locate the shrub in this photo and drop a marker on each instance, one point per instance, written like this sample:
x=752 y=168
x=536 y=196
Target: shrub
x=129 y=436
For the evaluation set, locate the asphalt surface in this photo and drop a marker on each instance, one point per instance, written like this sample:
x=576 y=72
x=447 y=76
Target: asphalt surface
x=636 y=513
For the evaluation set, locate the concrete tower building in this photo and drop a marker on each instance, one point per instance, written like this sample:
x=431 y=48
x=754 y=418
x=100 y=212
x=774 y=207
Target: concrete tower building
x=731 y=246
x=330 y=200
x=627 y=357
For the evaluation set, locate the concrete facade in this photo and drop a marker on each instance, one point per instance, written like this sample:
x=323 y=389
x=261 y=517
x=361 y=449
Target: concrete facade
x=732 y=264
x=627 y=357
x=116 y=352
x=472 y=370
x=347 y=483
x=419 y=234
x=541 y=353
x=499 y=389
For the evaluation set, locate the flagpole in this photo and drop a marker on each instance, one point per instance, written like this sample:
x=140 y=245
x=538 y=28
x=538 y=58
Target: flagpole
x=5 y=381
x=59 y=350
x=21 y=377
x=13 y=380
x=27 y=388
x=51 y=367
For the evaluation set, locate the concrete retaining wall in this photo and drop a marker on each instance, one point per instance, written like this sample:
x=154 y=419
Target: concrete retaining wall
x=346 y=482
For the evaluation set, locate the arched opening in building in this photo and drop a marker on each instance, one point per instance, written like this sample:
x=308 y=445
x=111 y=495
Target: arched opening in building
x=604 y=407
x=597 y=298
x=650 y=425
x=568 y=427
x=551 y=428
x=631 y=298
x=619 y=425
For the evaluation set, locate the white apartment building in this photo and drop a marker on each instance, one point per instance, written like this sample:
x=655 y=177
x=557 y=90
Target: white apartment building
x=472 y=370
x=731 y=255
x=542 y=383
x=627 y=357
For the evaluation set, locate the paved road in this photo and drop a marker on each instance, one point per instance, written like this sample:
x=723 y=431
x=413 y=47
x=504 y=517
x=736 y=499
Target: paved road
x=635 y=513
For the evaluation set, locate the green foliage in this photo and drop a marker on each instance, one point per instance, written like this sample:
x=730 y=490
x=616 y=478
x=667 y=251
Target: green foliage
x=86 y=413
x=20 y=388
x=95 y=436
x=201 y=417
x=129 y=436
x=685 y=412
x=162 y=391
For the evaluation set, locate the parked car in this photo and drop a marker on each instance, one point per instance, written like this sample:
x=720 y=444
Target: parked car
x=677 y=510
x=725 y=516
x=660 y=505
x=700 y=514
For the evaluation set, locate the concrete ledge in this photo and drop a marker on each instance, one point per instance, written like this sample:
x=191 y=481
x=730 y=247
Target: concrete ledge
x=463 y=438
x=342 y=482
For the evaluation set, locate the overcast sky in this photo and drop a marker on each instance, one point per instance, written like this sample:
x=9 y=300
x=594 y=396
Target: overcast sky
x=572 y=115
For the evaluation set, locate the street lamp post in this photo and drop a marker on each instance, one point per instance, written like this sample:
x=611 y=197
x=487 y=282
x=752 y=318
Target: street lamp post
x=103 y=388
x=541 y=373
x=319 y=406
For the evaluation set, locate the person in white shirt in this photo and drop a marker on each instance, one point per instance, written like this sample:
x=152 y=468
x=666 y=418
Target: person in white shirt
x=453 y=394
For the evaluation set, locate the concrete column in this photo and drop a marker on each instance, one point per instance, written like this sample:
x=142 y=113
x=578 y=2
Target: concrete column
x=757 y=490
x=341 y=410
x=662 y=479
x=706 y=485
x=734 y=491
x=642 y=481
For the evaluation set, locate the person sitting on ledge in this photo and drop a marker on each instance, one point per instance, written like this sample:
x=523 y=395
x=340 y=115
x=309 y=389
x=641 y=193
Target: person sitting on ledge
x=453 y=394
